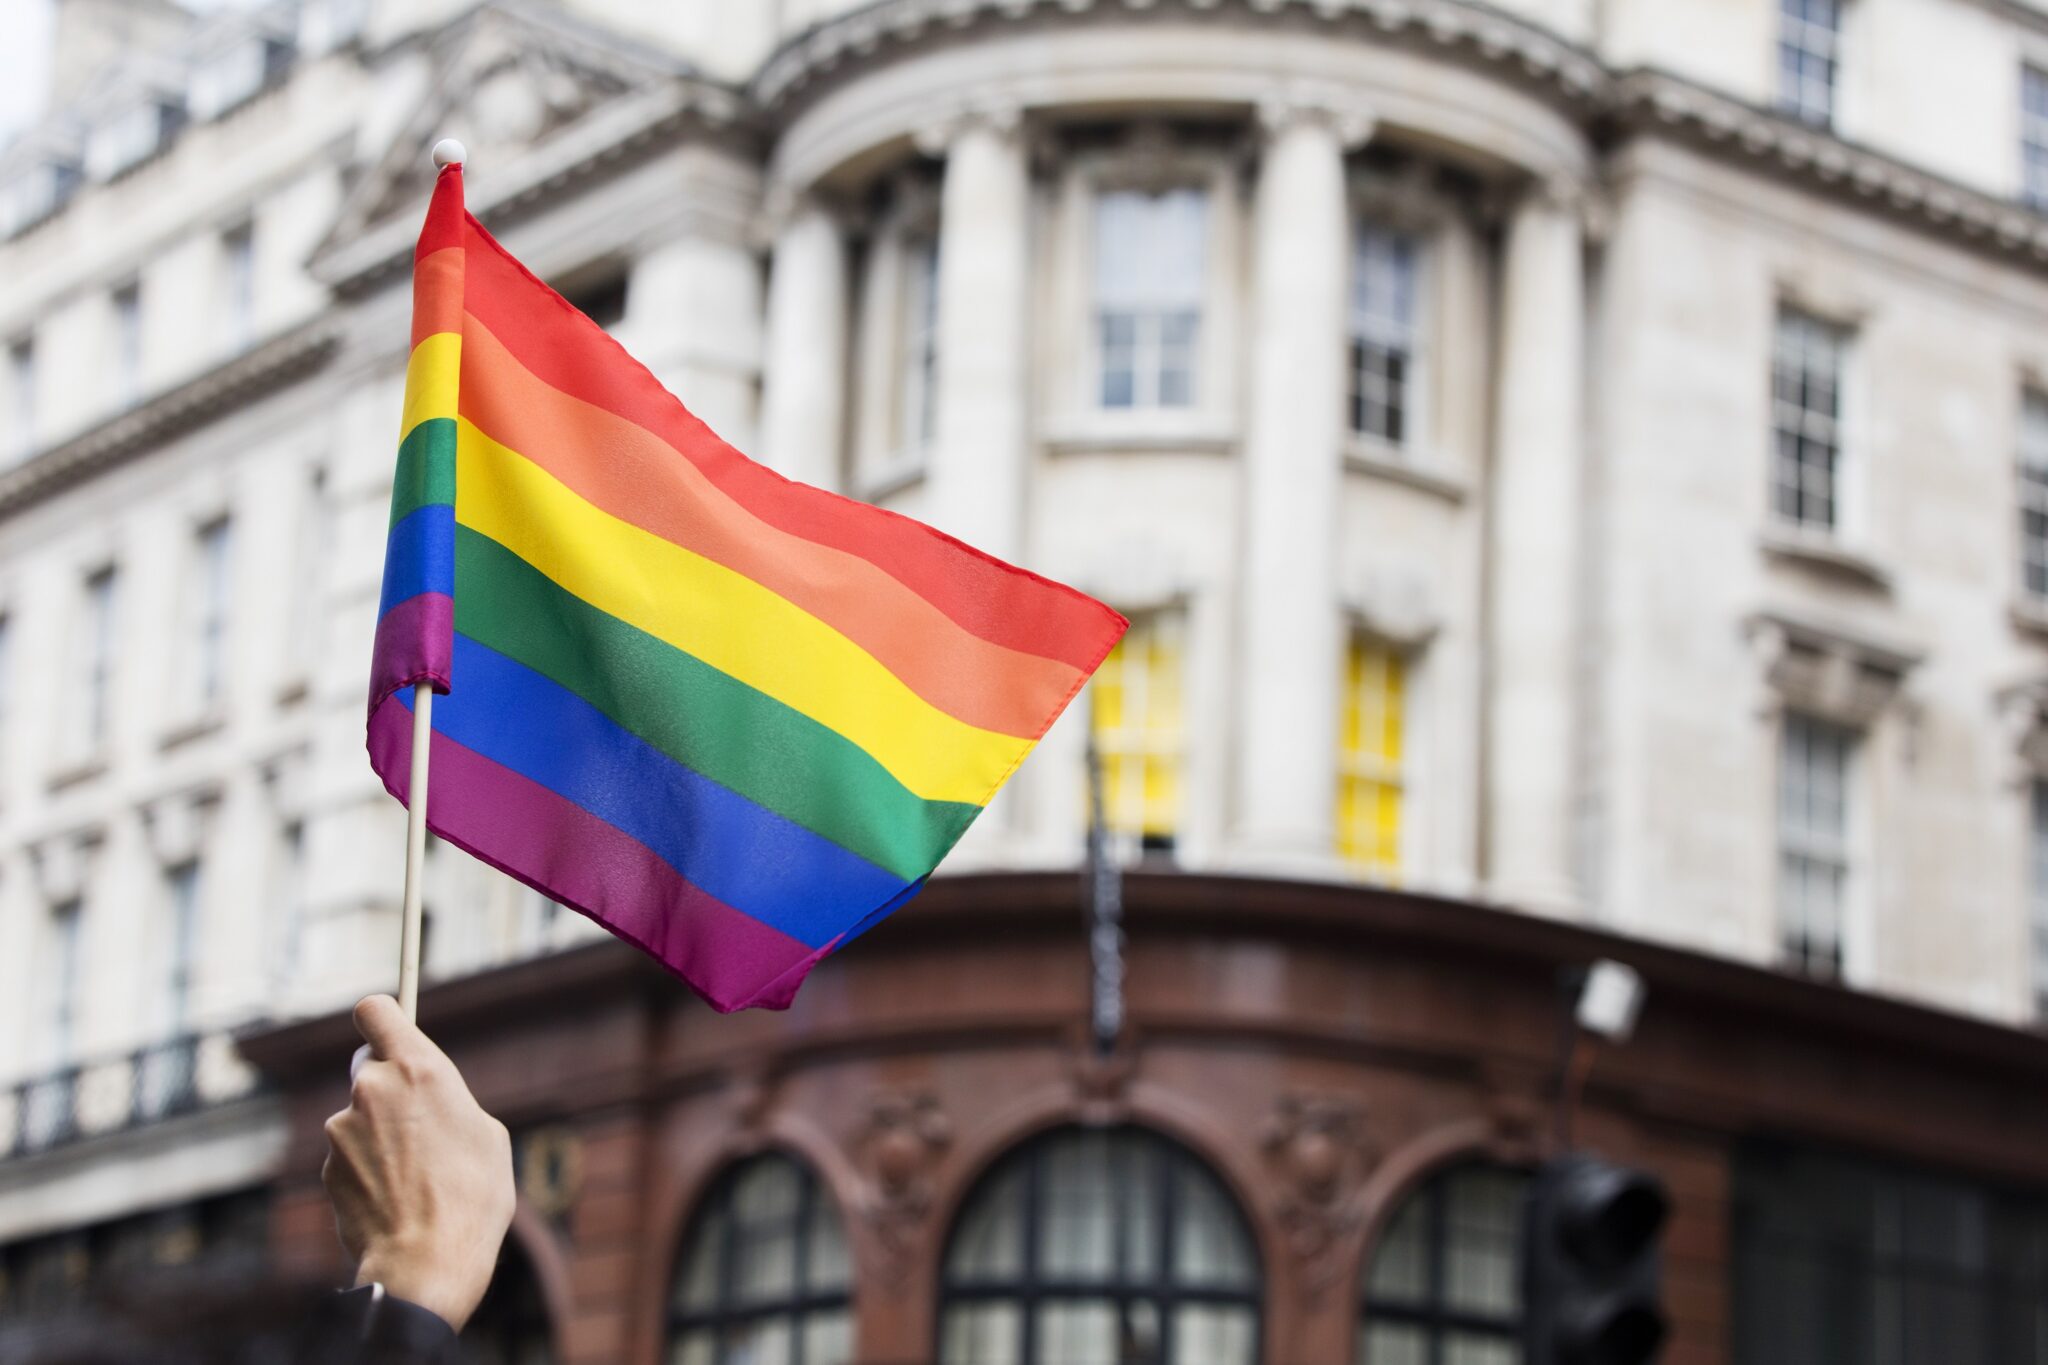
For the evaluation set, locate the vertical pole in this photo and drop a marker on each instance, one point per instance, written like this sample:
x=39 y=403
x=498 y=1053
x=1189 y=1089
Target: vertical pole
x=1105 y=918
x=415 y=850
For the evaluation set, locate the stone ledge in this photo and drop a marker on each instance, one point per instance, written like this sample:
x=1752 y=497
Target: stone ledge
x=1421 y=473
x=1826 y=555
x=192 y=404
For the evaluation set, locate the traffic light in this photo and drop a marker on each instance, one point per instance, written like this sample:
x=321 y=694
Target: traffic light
x=1590 y=1264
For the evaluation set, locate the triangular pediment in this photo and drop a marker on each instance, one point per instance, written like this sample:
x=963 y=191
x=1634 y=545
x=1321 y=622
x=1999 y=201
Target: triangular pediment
x=509 y=81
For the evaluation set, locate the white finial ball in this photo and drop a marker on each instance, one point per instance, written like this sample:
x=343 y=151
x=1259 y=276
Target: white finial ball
x=449 y=152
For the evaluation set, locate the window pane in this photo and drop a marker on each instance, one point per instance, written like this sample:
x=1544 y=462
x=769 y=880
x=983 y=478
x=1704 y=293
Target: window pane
x=1076 y=1222
x=1211 y=1249
x=828 y=1338
x=1205 y=1334
x=1138 y=723
x=1465 y=1348
x=1483 y=1228
x=1150 y=259
x=984 y=1334
x=1400 y=1266
x=769 y=1341
x=990 y=1242
x=694 y=1348
x=1389 y=1343
x=1078 y=1333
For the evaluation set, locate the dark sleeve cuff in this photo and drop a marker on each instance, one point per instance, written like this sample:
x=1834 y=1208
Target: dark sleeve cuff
x=391 y=1329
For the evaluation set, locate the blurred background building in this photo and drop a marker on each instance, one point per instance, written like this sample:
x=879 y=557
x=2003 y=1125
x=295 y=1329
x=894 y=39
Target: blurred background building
x=1578 y=474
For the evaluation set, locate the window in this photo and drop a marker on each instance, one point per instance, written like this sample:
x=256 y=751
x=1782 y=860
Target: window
x=21 y=398
x=315 y=531
x=126 y=141
x=325 y=25
x=1150 y=267
x=95 y=644
x=1806 y=392
x=127 y=348
x=2034 y=136
x=1839 y=1259
x=2033 y=494
x=181 y=898
x=57 y=975
x=35 y=194
x=918 y=355
x=1096 y=1248
x=1139 y=730
x=1443 y=1285
x=2038 y=897
x=1809 y=48
x=1383 y=334
x=1370 y=789
x=764 y=1274
x=237 y=74
x=238 y=286
x=290 y=878
x=1813 y=842
x=602 y=300
x=207 y=599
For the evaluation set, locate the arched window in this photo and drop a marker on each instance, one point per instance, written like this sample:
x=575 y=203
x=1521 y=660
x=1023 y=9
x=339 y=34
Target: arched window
x=1443 y=1286
x=1100 y=1248
x=763 y=1276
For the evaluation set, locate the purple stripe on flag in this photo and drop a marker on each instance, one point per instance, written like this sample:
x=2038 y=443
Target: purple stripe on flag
x=415 y=643
x=729 y=958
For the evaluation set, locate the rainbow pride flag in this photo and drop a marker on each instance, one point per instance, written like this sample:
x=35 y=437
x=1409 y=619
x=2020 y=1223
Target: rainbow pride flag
x=734 y=719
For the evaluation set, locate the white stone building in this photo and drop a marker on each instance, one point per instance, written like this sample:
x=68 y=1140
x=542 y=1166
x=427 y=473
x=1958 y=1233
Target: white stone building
x=1585 y=455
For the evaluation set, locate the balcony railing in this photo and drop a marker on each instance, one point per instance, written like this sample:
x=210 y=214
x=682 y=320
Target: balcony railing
x=176 y=1076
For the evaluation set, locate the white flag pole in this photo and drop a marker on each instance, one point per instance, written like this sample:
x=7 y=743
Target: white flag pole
x=446 y=152
x=415 y=849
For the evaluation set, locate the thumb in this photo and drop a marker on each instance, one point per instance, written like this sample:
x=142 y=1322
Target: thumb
x=385 y=1028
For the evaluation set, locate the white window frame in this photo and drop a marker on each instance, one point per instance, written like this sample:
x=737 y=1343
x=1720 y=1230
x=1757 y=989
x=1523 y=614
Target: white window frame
x=1149 y=313
x=21 y=398
x=59 y=975
x=1410 y=336
x=126 y=140
x=1151 y=160
x=95 y=631
x=1128 y=743
x=124 y=314
x=233 y=75
x=184 y=886
x=2033 y=140
x=915 y=419
x=209 y=601
x=1796 y=420
x=1799 y=841
x=32 y=195
x=238 y=286
x=2030 y=479
x=1808 y=41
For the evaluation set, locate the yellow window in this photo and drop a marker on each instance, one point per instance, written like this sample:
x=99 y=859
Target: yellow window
x=1139 y=728
x=1369 y=781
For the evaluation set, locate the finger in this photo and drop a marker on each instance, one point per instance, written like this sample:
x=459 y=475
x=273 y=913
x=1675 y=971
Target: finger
x=384 y=1027
x=355 y=1063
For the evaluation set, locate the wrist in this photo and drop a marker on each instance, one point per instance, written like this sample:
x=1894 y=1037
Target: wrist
x=423 y=1280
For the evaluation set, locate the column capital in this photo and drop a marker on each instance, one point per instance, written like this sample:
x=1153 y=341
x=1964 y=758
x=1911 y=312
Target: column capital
x=1004 y=117
x=782 y=203
x=1344 y=114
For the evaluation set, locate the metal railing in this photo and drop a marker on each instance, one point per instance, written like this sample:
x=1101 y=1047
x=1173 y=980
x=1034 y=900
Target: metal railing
x=171 y=1077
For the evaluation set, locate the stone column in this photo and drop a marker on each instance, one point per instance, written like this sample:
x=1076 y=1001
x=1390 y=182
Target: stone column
x=975 y=478
x=803 y=397
x=1291 y=630
x=1537 y=486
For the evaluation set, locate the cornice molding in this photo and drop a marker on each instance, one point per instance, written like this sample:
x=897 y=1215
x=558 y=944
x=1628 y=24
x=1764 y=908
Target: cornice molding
x=1611 y=106
x=190 y=405
x=1655 y=102
x=816 y=58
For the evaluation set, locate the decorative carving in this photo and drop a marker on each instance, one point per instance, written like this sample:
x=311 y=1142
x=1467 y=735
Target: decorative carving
x=902 y=1140
x=1343 y=113
x=63 y=864
x=1318 y=1148
x=1828 y=671
x=2023 y=719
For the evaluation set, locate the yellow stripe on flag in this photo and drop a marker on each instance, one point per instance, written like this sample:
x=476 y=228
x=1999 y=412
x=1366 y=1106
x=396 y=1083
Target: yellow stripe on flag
x=433 y=380
x=726 y=619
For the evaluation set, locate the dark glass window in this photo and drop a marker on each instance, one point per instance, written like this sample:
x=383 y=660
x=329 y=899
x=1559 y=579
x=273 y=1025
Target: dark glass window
x=764 y=1276
x=1840 y=1261
x=1443 y=1286
x=1102 y=1247
x=1806 y=393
